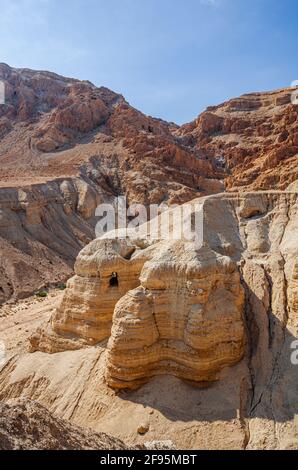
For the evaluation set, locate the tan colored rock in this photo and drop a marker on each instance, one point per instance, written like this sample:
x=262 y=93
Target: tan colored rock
x=67 y=145
x=42 y=229
x=87 y=307
x=185 y=319
x=70 y=145
x=170 y=316
x=143 y=428
x=253 y=405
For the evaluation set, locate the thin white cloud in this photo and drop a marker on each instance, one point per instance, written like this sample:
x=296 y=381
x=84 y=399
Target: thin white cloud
x=211 y=3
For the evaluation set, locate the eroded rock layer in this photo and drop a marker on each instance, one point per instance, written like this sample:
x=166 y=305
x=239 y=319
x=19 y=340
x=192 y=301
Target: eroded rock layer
x=185 y=319
x=187 y=301
x=105 y=271
x=175 y=307
x=253 y=138
x=68 y=145
x=42 y=229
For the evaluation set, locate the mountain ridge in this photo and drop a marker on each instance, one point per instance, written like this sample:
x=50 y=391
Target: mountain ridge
x=67 y=146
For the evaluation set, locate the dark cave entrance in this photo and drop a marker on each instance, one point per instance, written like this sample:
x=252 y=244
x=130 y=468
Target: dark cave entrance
x=114 y=280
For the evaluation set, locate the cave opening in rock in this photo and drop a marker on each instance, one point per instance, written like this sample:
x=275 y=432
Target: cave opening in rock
x=114 y=280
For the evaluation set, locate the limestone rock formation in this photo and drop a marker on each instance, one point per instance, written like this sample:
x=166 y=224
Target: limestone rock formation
x=249 y=238
x=171 y=307
x=176 y=308
x=105 y=271
x=143 y=320
x=67 y=144
x=42 y=228
x=185 y=319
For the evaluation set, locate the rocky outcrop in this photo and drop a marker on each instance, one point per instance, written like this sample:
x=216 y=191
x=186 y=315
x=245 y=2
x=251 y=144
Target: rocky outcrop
x=42 y=228
x=66 y=146
x=67 y=140
x=105 y=271
x=162 y=305
x=26 y=425
x=253 y=139
x=177 y=308
x=185 y=319
x=142 y=314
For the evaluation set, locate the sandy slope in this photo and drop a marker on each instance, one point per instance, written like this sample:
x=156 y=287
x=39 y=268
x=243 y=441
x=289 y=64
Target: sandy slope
x=26 y=425
x=19 y=320
x=77 y=392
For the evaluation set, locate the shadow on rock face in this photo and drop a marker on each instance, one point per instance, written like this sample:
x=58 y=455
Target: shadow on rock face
x=263 y=385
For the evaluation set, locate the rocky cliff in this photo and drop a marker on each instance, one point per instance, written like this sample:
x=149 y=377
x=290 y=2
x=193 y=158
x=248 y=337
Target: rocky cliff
x=254 y=139
x=55 y=126
x=153 y=339
x=223 y=315
x=174 y=309
x=67 y=145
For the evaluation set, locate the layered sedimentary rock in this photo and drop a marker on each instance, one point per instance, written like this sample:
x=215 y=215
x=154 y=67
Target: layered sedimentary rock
x=137 y=310
x=42 y=228
x=52 y=126
x=177 y=307
x=169 y=307
x=253 y=139
x=67 y=140
x=59 y=127
x=249 y=238
x=185 y=319
x=105 y=271
x=66 y=146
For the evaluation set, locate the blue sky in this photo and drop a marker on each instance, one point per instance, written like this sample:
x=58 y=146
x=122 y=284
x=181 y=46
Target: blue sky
x=169 y=58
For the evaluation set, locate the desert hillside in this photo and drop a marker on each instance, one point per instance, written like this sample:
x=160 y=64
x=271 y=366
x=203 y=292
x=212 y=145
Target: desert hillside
x=66 y=146
x=157 y=343
x=192 y=347
x=254 y=138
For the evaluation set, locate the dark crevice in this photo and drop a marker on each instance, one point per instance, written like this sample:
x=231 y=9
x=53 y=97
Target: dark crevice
x=114 y=282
